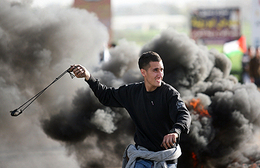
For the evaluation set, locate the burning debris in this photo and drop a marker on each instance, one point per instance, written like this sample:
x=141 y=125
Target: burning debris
x=198 y=108
x=36 y=44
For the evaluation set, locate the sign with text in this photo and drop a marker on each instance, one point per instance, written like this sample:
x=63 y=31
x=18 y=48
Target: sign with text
x=255 y=24
x=215 y=26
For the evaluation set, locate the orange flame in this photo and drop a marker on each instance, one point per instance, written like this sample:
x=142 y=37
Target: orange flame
x=195 y=161
x=199 y=108
x=254 y=165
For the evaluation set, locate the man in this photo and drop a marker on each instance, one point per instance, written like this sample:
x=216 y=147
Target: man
x=160 y=116
x=254 y=68
x=245 y=64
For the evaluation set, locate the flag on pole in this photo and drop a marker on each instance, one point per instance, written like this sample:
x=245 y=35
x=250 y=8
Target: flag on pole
x=236 y=47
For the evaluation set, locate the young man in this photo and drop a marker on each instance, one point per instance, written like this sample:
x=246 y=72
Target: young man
x=254 y=68
x=160 y=116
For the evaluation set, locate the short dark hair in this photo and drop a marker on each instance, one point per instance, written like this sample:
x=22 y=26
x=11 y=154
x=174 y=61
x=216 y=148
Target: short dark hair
x=148 y=57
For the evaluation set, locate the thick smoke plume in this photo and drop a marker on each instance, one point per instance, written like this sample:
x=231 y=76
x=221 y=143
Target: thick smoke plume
x=228 y=136
x=36 y=45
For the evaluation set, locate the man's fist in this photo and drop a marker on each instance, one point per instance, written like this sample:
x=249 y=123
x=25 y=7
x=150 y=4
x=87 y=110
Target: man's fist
x=169 y=140
x=80 y=71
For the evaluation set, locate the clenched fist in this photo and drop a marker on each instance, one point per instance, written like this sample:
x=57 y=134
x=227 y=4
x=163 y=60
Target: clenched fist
x=80 y=71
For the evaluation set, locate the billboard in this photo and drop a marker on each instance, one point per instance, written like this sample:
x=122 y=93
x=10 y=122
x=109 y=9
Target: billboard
x=255 y=24
x=215 y=26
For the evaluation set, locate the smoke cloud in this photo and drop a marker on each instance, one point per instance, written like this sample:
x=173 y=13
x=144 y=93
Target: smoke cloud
x=226 y=136
x=67 y=121
x=37 y=45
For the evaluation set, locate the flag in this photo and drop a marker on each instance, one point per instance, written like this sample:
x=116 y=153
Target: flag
x=236 y=47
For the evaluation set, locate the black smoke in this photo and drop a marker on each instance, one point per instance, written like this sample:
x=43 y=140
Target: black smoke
x=89 y=126
x=229 y=135
x=36 y=45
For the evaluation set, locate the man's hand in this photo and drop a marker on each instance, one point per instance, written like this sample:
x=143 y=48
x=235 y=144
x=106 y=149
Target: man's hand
x=169 y=140
x=80 y=71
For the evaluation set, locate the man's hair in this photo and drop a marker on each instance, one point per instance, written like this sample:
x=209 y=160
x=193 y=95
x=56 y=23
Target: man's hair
x=148 y=57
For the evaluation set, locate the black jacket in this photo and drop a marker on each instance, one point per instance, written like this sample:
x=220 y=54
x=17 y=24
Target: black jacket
x=154 y=114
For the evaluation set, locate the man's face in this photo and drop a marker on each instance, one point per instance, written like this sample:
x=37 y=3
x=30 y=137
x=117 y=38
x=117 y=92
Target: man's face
x=251 y=51
x=258 y=52
x=153 y=75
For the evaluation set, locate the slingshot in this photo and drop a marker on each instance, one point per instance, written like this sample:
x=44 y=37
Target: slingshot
x=20 y=109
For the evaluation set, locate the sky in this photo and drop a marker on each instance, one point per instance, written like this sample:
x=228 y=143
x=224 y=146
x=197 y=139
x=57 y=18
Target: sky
x=41 y=3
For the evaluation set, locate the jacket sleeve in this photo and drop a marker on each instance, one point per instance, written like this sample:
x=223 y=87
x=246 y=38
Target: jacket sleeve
x=108 y=96
x=179 y=114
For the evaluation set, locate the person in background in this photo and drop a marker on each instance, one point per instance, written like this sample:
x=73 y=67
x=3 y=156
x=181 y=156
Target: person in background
x=245 y=64
x=254 y=68
x=159 y=114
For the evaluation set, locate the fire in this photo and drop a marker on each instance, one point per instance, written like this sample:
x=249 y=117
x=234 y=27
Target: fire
x=254 y=165
x=195 y=161
x=199 y=108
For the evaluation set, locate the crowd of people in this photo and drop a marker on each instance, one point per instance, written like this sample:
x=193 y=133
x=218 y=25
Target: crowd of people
x=251 y=66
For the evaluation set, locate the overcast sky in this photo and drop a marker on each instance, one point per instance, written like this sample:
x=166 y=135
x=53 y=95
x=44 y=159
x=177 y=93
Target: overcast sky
x=41 y=3
x=44 y=3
